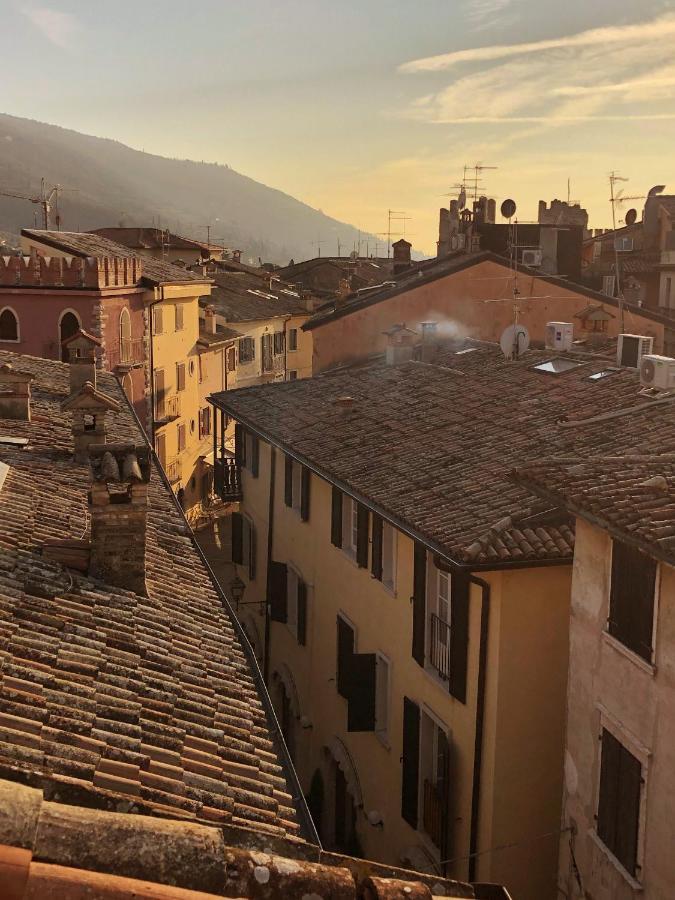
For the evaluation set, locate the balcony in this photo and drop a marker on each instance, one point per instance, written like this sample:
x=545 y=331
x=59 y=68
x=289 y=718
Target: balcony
x=173 y=469
x=167 y=409
x=435 y=814
x=129 y=353
x=227 y=479
x=439 y=647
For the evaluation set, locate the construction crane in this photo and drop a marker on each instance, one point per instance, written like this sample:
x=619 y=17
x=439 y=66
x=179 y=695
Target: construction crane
x=46 y=200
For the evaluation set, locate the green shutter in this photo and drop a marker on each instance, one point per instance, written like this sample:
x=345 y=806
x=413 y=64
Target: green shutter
x=362 y=519
x=419 y=599
x=255 y=456
x=410 y=761
x=376 y=564
x=288 y=481
x=278 y=592
x=345 y=652
x=237 y=538
x=336 y=518
x=361 y=708
x=460 y=592
x=304 y=493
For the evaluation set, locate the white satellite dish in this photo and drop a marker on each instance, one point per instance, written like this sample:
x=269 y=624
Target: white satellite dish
x=515 y=340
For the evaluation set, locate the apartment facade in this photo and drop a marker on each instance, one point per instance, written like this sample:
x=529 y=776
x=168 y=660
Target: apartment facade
x=617 y=826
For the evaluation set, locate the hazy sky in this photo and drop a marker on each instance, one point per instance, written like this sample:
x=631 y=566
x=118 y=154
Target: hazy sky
x=357 y=106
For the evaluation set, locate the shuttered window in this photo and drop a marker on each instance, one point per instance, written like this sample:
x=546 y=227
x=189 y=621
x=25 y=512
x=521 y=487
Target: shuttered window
x=419 y=599
x=180 y=376
x=410 y=762
x=459 y=635
x=302 y=613
x=179 y=317
x=255 y=456
x=336 y=518
x=296 y=618
x=237 y=538
x=288 y=481
x=244 y=545
x=345 y=651
x=376 y=563
x=362 y=520
x=239 y=445
x=246 y=350
x=304 y=493
x=631 y=604
x=619 y=801
x=278 y=592
x=362 y=680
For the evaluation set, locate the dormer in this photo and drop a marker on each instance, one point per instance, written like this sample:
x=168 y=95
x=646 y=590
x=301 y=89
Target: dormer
x=81 y=348
x=89 y=409
x=15 y=393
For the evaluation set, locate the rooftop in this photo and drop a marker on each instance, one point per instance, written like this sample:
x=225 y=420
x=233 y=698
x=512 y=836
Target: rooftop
x=110 y=699
x=243 y=297
x=83 y=244
x=151 y=239
x=631 y=496
x=441 y=440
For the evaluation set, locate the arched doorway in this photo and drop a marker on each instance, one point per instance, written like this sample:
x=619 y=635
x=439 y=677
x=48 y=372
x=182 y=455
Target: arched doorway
x=343 y=800
x=69 y=324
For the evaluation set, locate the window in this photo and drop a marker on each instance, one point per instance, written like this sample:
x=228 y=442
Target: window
x=619 y=801
x=608 y=282
x=160 y=449
x=181 y=438
x=297 y=483
x=158 y=319
x=356 y=679
x=349 y=526
x=232 y=359
x=631 y=601
x=69 y=324
x=384 y=552
x=667 y=299
x=160 y=394
x=244 y=545
x=597 y=249
x=297 y=476
x=180 y=376
x=292 y=375
x=297 y=606
x=434 y=780
x=9 y=325
x=292 y=339
x=179 y=316
x=381 y=695
x=205 y=422
x=266 y=348
x=279 y=343
x=246 y=350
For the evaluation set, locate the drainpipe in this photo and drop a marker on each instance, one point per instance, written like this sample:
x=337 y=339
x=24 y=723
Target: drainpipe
x=480 y=722
x=270 y=534
x=152 y=370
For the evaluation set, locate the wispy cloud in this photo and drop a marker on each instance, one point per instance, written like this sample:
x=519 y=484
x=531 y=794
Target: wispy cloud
x=604 y=74
x=483 y=13
x=60 y=28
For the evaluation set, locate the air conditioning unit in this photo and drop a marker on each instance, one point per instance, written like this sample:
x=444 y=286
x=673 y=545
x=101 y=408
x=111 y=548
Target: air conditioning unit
x=657 y=372
x=559 y=335
x=631 y=348
x=532 y=258
x=623 y=244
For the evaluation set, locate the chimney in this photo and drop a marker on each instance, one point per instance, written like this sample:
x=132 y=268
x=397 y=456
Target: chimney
x=236 y=255
x=14 y=393
x=401 y=255
x=429 y=341
x=210 y=323
x=89 y=408
x=81 y=348
x=400 y=344
x=118 y=506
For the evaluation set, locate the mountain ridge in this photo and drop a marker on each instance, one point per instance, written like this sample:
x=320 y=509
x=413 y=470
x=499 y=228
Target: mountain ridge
x=105 y=182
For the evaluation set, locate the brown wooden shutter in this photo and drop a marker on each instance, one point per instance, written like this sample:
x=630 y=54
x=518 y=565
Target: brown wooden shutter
x=345 y=652
x=376 y=564
x=302 y=613
x=304 y=493
x=460 y=591
x=255 y=456
x=631 y=607
x=252 y=551
x=361 y=709
x=362 y=518
x=336 y=518
x=628 y=811
x=410 y=762
x=288 y=481
x=237 y=538
x=278 y=592
x=239 y=444
x=419 y=599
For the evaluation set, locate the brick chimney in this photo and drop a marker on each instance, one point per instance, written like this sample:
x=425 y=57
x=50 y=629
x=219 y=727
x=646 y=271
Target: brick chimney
x=81 y=348
x=210 y=321
x=402 y=260
x=118 y=506
x=89 y=408
x=14 y=393
x=400 y=344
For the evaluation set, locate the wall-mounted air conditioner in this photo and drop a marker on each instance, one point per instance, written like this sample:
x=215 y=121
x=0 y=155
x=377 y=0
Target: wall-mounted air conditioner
x=657 y=372
x=623 y=244
x=559 y=335
x=631 y=348
x=532 y=258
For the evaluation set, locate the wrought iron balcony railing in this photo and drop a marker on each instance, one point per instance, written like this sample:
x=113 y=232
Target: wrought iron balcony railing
x=227 y=479
x=435 y=814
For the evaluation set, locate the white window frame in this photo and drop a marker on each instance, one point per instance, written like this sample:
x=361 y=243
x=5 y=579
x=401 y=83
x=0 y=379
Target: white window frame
x=436 y=578
x=438 y=725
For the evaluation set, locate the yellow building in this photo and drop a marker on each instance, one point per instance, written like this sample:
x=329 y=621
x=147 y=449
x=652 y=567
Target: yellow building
x=409 y=603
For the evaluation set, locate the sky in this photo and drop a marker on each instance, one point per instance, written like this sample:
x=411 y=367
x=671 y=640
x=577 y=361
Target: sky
x=360 y=106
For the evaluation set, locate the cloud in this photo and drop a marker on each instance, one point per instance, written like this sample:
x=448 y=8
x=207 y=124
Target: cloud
x=483 y=13
x=612 y=74
x=621 y=34
x=58 y=27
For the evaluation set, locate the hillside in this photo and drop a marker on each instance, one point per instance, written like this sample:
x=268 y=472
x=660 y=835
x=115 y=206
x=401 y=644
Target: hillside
x=108 y=183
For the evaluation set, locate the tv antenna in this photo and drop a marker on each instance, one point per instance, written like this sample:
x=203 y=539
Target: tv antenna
x=617 y=198
x=477 y=169
x=317 y=243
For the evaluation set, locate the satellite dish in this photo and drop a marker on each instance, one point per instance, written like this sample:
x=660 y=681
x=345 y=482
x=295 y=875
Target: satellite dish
x=630 y=217
x=657 y=189
x=508 y=208
x=515 y=340
x=461 y=200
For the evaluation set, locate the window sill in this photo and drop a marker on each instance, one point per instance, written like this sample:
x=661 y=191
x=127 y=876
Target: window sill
x=630 y=880
x=638 y=661
x=9 y=341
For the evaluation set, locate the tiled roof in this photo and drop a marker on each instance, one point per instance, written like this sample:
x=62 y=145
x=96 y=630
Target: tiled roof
x=242 y=297
x=432 y=446
x=83 y=244
x=631 y=495
x=149 y=239
x=109 y=698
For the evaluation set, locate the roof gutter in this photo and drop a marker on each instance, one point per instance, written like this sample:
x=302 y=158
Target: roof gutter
x=398 y=523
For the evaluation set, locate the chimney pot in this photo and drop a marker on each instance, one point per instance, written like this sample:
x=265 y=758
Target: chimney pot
x=89 y=409
x=81 y=348
x=14 y=393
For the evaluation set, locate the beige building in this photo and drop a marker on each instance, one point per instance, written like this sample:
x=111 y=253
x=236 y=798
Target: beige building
x=409 y=604
x=618 y=827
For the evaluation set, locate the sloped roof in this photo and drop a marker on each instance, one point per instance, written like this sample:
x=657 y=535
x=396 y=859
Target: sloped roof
x=147 y=704
x=149 y=239
x=631 y=495
x=431 y=446
x=242 y=297
x=84 y=244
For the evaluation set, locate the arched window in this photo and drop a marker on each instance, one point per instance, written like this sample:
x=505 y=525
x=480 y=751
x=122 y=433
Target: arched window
x=128 y=387
x=68 y=326
x=9 y=325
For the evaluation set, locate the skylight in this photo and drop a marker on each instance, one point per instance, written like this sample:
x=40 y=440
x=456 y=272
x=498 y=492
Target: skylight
x=597 y=376
x=557 y=366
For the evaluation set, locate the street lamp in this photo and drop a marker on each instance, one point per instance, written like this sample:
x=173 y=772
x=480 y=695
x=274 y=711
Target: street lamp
x=237 y=588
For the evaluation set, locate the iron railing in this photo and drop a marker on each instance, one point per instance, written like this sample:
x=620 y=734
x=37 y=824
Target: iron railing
x=227 y=479
x=435 y=814
x=173 y=469
x=439 y=646
x=168 y=408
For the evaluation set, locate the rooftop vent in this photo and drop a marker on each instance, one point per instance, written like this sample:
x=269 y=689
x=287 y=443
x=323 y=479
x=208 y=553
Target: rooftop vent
x=81 y=348
x=14 y=393
x=631 y=348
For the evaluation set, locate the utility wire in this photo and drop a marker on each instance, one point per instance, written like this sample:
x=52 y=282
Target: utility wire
x=538 y=837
